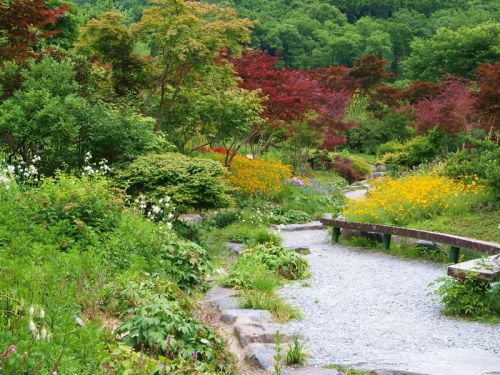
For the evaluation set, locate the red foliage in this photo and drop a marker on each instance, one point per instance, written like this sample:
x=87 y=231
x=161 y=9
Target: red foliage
x=452 y=109
x=420 y=90
x=369 y=70
x=292 y=95
x=487 y=102
x=24 y=23
x=335 y=78
x=332 y=141
x=344 y=168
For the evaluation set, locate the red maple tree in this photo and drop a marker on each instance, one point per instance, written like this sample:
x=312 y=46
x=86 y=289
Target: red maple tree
x=24 y=22
x=487 y=103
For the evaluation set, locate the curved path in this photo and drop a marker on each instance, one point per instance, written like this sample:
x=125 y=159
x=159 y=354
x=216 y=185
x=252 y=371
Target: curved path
x=371 y=310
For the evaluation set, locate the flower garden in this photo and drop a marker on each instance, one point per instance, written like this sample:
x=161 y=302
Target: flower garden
x=139 y=140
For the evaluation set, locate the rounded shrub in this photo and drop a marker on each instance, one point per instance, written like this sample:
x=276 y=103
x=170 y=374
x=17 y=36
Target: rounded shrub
x=191 y=183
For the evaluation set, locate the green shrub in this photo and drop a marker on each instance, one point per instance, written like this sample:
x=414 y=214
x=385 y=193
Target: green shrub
x=249 y=233
x=470 y=298
x=295 y=355
x=246 y=273
x=192 y=183
x=75 y=204
x=225 y=218
x=479 y=158
x=291 y=217
x=145 y=246
x=286 y=263
x=360 y=165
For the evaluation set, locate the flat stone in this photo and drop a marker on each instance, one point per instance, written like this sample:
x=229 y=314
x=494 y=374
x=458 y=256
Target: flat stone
x=315 y=225
x=393 y=372
x=257 y=333
x=230 y=316
x=310 y=371
x=261 y=355
x=487 y=269
x=218 y=292
x=191 y=219
x=380 y=168
x=303 y=250
x=378 y=174
x=228 y=303
x=428 y=245
x=236 y=248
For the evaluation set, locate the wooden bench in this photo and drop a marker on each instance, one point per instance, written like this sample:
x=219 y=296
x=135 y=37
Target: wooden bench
x=455 y=242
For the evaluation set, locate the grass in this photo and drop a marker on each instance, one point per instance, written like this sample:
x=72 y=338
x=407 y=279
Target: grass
x=346 y=370
x=480 y=224
x=280 y=310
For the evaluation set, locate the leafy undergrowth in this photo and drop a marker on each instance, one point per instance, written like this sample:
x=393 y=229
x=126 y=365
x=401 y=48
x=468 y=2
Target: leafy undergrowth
x=262 y=269
x=74 y=257
x=469 y=298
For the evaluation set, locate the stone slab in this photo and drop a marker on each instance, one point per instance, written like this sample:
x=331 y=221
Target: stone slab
x=257 y=333
x=261 y=355
x=393 y=372
x=315 y=225
x=191 y=219
x=311 y=371
x=235 y=247
x=230 y=316
x=218 y=292
x=228 y=303
x=487 y=269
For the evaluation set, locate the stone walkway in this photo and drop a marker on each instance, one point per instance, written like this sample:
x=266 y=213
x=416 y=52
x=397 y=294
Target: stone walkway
x=369 y=310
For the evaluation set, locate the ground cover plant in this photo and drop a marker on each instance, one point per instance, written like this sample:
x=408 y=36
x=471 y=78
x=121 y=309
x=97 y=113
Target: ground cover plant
x=259 y=271
x=75 y=244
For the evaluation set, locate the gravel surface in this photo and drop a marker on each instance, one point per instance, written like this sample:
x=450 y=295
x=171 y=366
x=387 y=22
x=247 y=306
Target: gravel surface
x=370 y=310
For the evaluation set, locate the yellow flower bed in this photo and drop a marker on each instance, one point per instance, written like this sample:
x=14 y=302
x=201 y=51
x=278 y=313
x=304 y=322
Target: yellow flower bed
x=412 y=198
x=258 y=177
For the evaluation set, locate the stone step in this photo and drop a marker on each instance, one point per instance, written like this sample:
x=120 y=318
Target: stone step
x=258 y=316
x=310 y=371
x=315 y=225
x=249 y=332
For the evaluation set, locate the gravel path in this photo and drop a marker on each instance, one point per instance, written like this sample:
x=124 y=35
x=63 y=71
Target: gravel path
x=370 y=310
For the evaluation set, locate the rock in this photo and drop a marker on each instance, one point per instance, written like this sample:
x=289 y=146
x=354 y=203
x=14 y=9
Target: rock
x=311 y=371
x=340 y=218
x=492 y=373
x=380 y=168
x=218 y=292
x=394 y=372
x=428 y=245
x=378 y=174
x=303 y=250
x=230 y=316
x=315 y=225
x=261 y=355
x=191 y=219
x=235 y=247
x=228 y=303
x=254 y=332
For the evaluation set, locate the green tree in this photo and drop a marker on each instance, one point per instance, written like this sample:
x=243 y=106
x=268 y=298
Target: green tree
x=457 y=52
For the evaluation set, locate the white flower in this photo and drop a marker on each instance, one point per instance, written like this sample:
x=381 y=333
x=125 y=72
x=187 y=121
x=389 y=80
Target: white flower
x=31 y=311
x=43 y=333
x=169 y=225
x=42 y=314
x=79 y=321
x=11 y=169
x=156 y=209
x=31 y=326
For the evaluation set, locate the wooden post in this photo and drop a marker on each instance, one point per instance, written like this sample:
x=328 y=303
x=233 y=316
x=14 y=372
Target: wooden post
x=336 y=235
x=386 y=241
x=454 y=254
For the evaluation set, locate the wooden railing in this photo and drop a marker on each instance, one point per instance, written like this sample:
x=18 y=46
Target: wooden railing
x=455 y=242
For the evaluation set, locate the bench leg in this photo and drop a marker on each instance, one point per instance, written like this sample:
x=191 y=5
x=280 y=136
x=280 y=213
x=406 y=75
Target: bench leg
x=386 y=241
x=336 y=235
x=454 y=254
